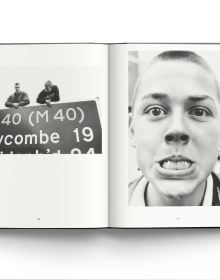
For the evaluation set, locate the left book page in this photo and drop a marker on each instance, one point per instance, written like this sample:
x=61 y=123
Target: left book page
x=53 y=136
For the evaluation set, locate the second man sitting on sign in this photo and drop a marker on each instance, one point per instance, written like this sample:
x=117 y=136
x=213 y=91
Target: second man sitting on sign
x=49 y=94
x=18 y=98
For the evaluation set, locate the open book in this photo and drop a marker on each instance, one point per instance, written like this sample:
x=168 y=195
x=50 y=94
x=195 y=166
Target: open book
x=109 y=135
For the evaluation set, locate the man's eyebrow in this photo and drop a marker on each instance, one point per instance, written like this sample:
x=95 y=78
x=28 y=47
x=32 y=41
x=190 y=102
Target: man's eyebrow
x=196 y=98
x=191 y=98
x=157 y=96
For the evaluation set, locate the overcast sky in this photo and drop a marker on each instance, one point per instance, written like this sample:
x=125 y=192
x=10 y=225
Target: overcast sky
x=74 y=69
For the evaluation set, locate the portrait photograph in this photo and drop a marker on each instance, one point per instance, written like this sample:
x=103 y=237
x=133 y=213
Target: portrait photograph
x=174 y=127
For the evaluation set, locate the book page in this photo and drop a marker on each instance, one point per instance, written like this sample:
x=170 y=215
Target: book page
x=54 y=136
x=164 y=135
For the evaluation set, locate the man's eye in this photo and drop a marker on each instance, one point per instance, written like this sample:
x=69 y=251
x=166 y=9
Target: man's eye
x=155 y=111
x=200 y=113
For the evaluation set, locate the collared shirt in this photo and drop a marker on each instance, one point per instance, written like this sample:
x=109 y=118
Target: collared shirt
x=137 y=191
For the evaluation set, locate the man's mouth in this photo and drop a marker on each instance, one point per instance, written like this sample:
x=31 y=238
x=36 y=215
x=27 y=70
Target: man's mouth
x=176 y=167
x=176 y=163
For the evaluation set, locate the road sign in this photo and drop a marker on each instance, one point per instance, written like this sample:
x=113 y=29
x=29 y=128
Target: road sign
x=64 y=128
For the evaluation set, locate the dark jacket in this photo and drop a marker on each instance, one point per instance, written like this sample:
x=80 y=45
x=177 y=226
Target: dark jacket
x=52 y=95
x=18 y=97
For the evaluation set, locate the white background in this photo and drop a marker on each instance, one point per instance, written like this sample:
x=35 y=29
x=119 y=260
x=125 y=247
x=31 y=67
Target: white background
x=53 y=191
x=160 y=254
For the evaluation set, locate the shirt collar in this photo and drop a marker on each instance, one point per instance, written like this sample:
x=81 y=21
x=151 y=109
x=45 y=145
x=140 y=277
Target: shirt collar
x=137 y=196
x=208 y=197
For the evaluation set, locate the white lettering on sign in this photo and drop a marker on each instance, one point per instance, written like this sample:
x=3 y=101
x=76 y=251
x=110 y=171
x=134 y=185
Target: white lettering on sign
x=59 y=115
x=78 y=151
x=14 y=119
x=36 y=117
x=65 y=128
x=30 y=139
x=86 y=134
x=41 y=115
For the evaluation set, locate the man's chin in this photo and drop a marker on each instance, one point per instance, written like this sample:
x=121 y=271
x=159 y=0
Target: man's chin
x=176 y=184
x=175 y=189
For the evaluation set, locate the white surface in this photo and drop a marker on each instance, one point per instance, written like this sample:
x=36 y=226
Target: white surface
x=57 y=191
x=164 y=254
x=107 y=254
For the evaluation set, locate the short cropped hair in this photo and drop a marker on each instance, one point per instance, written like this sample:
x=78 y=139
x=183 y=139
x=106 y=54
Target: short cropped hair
x=187 y=56
x=17 y=84
x=48 y=83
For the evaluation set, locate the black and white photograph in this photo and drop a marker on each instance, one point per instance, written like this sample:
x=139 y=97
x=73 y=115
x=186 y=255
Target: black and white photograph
x=41 y=108
x=174 y=127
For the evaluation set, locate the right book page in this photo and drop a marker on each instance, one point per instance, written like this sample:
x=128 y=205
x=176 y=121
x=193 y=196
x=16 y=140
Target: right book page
x=164 y=135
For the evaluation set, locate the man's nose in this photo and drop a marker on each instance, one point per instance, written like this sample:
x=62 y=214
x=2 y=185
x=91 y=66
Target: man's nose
x=177 y=137
x=177 y=132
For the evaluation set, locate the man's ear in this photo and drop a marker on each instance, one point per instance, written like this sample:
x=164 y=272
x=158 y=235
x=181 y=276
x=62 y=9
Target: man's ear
x=131 y=131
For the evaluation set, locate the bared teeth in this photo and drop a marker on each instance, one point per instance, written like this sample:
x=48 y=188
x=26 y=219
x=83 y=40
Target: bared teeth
x=176 y=165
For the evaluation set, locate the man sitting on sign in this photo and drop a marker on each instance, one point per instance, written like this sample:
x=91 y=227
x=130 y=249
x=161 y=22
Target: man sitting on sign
x=49 y=94
x=17 y=99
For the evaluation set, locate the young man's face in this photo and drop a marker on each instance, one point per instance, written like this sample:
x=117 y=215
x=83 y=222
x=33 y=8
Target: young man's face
x=17 y=88
x=175 y=126
x=48 y=87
